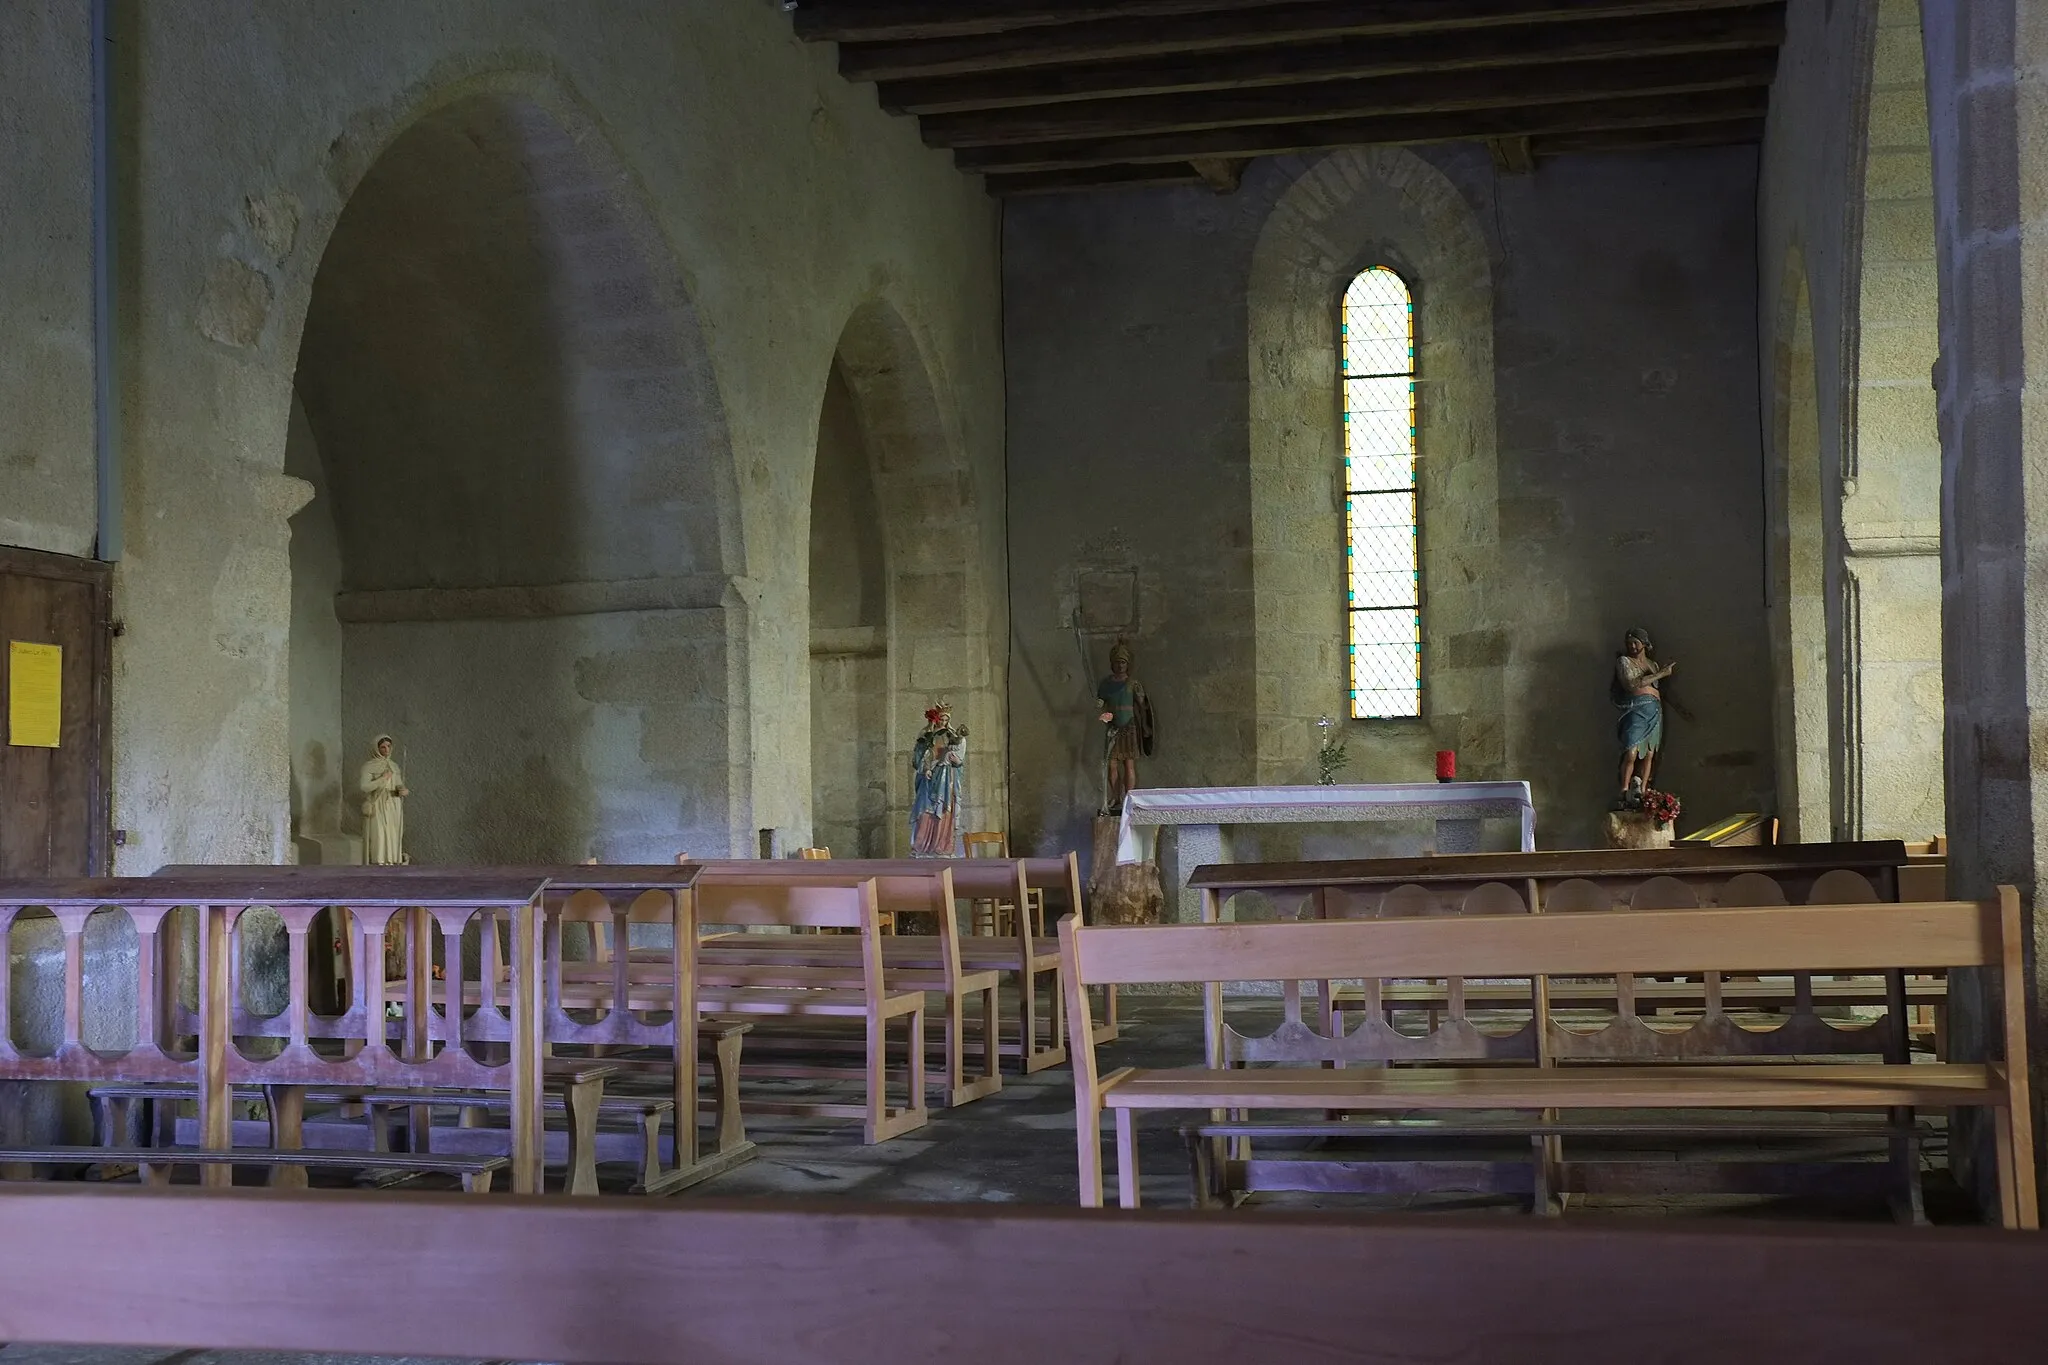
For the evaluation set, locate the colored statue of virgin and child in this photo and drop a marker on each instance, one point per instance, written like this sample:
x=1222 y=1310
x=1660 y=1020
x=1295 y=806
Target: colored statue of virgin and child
x=935 y=763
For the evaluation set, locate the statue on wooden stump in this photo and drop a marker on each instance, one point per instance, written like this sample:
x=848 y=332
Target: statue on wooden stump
x=384 y=792
x=935 y=763
x=1643 y=817
x=1640 y=729
x=1126 y=717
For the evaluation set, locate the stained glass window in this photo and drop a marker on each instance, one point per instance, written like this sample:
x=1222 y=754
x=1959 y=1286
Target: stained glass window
x=1383 y=579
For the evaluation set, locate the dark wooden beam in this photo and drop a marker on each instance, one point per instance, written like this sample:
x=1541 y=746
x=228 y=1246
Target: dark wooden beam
x=1279 y=139
x=1723 y=134
x=1511 y=155
x=848 y=21
x=1221 y=174
x=1522 y=44
x=1261 y=25
x=1426 y=92
x=1094 y=178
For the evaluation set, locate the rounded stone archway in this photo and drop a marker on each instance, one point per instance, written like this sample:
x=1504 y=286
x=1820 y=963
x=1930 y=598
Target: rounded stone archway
x=522 y=528
x=1347 y=211
x=1891 y=476
x=1804 y=710
x=899 y=590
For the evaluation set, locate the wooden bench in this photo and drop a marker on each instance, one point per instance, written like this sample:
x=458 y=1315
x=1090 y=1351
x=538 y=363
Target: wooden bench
x=443 y=1276
x=609 y=898
x=576 y=1092
x=155 y=1163
x=808 y=1001
x=837 y=958
x=1028 y=957
x=1416 y=1023
x=1776 y=939
x=177 y=919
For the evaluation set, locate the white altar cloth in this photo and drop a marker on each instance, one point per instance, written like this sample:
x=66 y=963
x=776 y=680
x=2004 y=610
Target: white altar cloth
x=1201 y=812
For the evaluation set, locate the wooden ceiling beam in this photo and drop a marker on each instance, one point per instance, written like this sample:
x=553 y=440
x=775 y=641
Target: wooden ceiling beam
x=1094 y=178
x=1638 y=36
x=1722 y=134
x=1279 y=139
x=1417 y=93
x=1238 y=27
x=1673 y=137
x=849 y=21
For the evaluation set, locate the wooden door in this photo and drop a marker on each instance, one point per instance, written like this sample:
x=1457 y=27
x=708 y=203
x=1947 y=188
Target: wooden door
x=54 y=802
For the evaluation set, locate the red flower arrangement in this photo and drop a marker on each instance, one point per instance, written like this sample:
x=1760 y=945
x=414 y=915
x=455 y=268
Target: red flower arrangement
x=1661 y=807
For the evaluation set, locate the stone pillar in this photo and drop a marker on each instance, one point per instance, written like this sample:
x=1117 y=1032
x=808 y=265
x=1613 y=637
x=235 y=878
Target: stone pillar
x=1984 y=89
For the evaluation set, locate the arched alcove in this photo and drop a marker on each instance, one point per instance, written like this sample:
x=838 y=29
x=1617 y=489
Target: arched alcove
x=1345 y=212
x=1798 y=575
x=1891 y=480
x=517 y=553
x=894 y=504
x=850 y=694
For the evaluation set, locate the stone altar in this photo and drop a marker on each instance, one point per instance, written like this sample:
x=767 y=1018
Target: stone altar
x=1200 y=813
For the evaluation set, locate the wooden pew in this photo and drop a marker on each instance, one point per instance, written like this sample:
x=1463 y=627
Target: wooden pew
x=574 y=1090
x=424 y=1049
x=821 y=1001
x=1811 y=938
x=929 y=963
x=1029 y=957
x=687 y=1284
x=609 y=898
x=154 y=1164
x=1593 y=880
x=1618 y=1019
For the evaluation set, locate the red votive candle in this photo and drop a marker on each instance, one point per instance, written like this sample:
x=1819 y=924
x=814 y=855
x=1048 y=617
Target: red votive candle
x=1446 y=765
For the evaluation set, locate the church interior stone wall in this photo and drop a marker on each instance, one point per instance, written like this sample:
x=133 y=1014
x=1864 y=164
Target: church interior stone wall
x=1626 y=419
x=768 y=205
x=646 y=430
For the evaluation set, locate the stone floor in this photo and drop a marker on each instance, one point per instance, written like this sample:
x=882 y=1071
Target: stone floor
x=1018 y=1147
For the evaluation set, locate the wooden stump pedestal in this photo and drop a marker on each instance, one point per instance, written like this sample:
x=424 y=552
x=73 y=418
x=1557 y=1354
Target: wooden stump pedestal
x=1634 y=829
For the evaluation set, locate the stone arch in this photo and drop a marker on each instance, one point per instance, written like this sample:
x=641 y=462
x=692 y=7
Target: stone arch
x=927 y=634
x=1798 y=572
x=1349 y=210
x=1891 y=476
x=523 y=482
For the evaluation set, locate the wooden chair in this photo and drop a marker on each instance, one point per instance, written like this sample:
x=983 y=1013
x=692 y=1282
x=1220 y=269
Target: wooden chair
x=925 y=890
x=1784 y=939
x=989 y=916
x=1031 y=960
x=805 y=1000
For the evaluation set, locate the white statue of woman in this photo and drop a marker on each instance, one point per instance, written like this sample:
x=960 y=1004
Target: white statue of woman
x=384 y=793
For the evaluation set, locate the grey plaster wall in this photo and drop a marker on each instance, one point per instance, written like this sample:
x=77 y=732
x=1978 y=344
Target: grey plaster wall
x=766 y=198
x=320 y=766
x=46 y=438
x=1629 y=472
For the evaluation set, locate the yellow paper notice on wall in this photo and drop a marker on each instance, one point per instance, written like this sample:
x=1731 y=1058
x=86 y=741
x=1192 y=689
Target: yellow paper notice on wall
x=35 y=694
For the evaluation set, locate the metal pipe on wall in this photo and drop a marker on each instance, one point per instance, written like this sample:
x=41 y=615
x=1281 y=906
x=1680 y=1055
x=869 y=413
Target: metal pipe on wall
x=105 y=405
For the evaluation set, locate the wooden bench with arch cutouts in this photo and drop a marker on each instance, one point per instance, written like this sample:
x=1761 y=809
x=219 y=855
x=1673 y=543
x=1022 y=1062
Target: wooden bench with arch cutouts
x=1783 y=940
x=1707 y=1017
